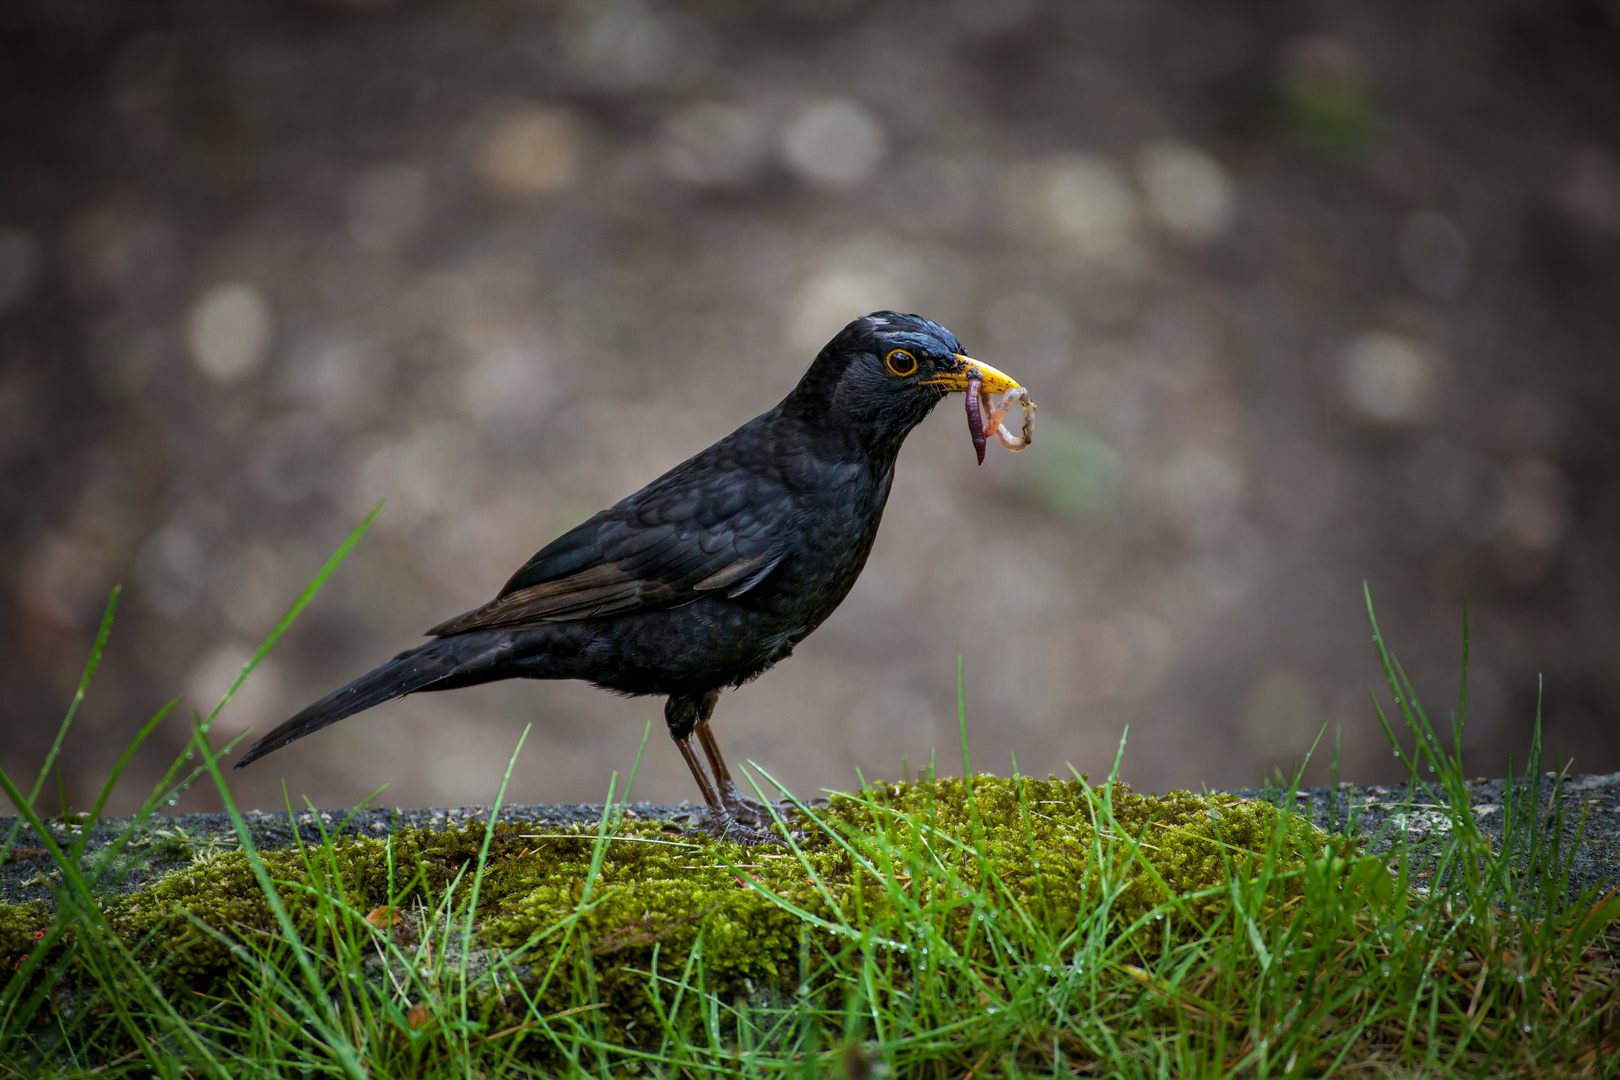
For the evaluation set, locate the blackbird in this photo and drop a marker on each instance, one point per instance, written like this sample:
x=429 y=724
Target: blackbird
x=712 y=573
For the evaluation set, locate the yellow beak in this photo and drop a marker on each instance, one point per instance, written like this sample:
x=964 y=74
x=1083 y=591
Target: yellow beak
x=990 y=380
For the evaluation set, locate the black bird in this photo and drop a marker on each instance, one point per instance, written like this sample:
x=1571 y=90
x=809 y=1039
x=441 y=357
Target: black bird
x=713 y=572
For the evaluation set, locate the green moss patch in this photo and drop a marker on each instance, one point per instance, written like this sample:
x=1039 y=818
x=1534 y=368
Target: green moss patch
x=905 y=875
x=21 y=926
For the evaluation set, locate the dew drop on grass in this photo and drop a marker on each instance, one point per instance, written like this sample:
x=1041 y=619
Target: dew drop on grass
x=1384 y=971
x=174 y=802
x=1527 y=1029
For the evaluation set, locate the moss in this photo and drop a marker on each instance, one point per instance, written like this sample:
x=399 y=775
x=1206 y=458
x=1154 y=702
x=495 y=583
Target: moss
x=1041 y=844
x=19 y=926
x=1047 y=848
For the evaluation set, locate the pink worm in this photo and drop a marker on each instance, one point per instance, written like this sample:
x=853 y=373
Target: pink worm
x=975 y=418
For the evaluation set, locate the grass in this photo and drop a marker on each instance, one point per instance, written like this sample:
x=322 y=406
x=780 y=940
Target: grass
x=970 y=927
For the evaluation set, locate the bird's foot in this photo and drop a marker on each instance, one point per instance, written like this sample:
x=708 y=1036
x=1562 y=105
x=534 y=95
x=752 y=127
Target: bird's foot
x=742 y=821
x=724 y=825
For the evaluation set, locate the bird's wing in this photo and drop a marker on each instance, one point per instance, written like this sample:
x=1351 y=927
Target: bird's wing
x=694 y=532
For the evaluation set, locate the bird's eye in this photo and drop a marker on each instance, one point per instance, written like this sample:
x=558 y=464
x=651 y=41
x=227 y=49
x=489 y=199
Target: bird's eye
x=901 y=363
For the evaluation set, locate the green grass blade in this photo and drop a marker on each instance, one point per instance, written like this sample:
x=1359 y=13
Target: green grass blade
x=316 y=1007
x=293 y=612
x=73 y=709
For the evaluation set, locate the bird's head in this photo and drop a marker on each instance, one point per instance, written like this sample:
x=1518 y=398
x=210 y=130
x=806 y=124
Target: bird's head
x=884 y=373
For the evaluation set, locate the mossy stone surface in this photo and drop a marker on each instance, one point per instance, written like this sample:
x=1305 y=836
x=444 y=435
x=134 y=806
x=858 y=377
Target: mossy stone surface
x=941 y=862
x=752 y=917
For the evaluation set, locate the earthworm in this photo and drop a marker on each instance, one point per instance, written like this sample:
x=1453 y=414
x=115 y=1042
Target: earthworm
x=993 y=421
x=975 y=418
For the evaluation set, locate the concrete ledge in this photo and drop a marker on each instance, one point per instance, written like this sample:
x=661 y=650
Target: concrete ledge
x=1590 y=803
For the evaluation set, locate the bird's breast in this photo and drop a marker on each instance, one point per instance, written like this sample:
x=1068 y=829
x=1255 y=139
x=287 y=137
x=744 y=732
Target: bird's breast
x=831 y=539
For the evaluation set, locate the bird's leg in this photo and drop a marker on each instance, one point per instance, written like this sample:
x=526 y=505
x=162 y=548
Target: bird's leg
x=707 y=788
x=729 y=816
x=681 y=713
x=711 y=750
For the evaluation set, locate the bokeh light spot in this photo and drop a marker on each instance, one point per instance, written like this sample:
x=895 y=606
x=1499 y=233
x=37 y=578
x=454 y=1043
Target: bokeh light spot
x=1188 y=190
x=228 y=331
x=1388 y=377
x=531 y=153
x=255 y=701
x=1535 y=507
x=1080 y=202
x=170 y=570
x=834 y=144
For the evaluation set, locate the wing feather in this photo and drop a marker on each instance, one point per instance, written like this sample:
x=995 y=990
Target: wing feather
x=692 y=533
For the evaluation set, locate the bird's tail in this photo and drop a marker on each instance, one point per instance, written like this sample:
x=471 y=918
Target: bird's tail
x=456 y=659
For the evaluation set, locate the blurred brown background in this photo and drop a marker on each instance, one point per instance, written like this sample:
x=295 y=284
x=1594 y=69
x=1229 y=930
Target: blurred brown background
x=1309 y=293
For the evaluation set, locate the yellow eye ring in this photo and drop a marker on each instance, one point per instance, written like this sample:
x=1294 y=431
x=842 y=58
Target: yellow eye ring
x=900 y=363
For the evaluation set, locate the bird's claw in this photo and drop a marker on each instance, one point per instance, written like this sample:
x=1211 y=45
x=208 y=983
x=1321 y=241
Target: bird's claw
x=741 y=821
x=725 y=826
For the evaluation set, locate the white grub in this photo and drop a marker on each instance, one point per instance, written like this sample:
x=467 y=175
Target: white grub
x=994 y=414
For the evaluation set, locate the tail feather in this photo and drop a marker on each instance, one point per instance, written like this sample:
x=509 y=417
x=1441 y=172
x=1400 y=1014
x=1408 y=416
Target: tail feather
x=417 y=669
